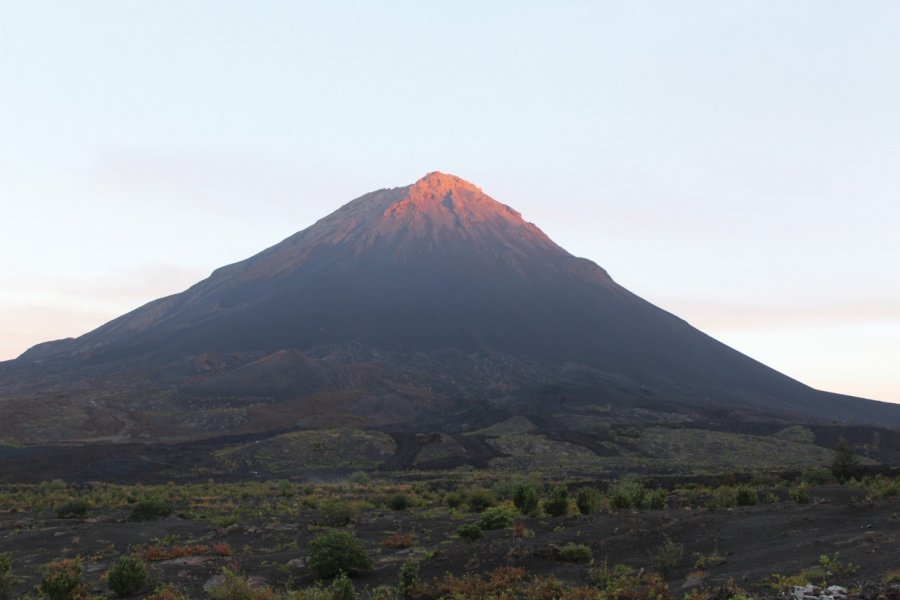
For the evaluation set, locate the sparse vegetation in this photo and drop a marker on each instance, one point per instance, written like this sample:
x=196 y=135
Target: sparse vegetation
x=276 y=513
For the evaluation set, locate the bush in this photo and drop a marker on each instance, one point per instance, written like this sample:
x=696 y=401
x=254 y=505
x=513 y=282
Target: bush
x=557 y=503
x=61 y=580
x=454 y=499
x=399 y=501
x=150 y=509
x=497 y=517
x=816 y=476
x=883 y=487
x=627 y=493
x=479 y=499
x=470 y=532
x=525 y=497
x=342 y=588
x=337 y=551
x=337 y=513
x=71 y=509
x=587 y=500
x=578 y=553
x=409 y=581
x=656 y=499
x=800 y=494
x=746 y=496
x=6 y=577
x=845 y=464
x=360 y=478
x=724 y=496
x=127 y=576
x=668 y=557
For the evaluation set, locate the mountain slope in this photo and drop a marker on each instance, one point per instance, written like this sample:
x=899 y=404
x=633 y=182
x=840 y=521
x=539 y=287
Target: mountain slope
x=407 y=303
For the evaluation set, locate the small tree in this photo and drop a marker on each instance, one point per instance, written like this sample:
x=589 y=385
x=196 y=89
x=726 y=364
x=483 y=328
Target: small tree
x=337 y=551
x=127 y=576
x=557 y=504
x=61 y=579
x=525 y=497
x=845 y=462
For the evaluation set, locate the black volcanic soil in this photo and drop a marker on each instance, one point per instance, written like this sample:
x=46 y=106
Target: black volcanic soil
x=754 y=542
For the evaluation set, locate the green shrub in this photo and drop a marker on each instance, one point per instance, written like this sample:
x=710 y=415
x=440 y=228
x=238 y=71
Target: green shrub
x=607 y=578
x=816 y=476
x=525 y=497
x=61 y=579
x=800 y=494
x=127 y=576
x=505 y=489
x=470 y=532
x=497 y=517
x=337 y=513
x=409 y=580
x=883 y=487
x=845 y=463
x=724 y=496
x=399 y=501
x=668 y=557
x=587 y=500
x=578 y=553
x=656 y=499
x=360 y=478
x=72 y=508
x=454 y=499
x=834 y=567
x=627 y=493
x=6 y=577
x=150 y=509
x=746 y=496
x=337 y=551
x=478 y=499
x=285 y=488
x=557 y=503
x=342 y=588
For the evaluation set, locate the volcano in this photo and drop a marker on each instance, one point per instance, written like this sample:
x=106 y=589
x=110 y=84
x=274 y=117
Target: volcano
x=411 y=306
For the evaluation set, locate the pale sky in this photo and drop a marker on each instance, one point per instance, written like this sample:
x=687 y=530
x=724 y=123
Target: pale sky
x=736 y=163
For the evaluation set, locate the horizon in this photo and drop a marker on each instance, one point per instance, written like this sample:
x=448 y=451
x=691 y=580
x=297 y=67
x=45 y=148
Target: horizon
x=750 y=191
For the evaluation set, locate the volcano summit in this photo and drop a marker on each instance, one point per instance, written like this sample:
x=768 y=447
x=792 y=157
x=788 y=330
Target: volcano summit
x=429 y=305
